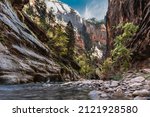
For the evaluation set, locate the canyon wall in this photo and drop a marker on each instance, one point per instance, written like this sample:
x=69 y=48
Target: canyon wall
x=136 y=11
x=24 y=57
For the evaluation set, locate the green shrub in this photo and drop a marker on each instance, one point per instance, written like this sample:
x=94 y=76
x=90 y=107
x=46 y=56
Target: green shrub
x=120 y=57
x=60 y=40
x=105 y=68
x=117 y=76
x=84 y=62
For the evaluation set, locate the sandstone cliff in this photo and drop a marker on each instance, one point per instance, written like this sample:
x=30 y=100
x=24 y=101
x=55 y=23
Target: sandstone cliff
x=24 y=57
x=136 y=11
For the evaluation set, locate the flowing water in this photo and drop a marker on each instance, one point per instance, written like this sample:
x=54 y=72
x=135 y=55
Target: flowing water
x=40 y=91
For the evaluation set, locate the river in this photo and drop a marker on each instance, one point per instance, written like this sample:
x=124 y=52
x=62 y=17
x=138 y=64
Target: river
x=42 y=91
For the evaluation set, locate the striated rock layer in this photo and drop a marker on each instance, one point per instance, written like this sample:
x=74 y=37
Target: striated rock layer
x=136 y=11
x=23 y=56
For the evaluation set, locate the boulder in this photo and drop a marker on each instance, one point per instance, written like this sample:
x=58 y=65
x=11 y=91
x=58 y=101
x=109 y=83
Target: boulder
x=142 y=93
x=137 y=79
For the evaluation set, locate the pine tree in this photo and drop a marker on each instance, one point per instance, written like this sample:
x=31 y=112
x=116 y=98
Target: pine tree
x=71 y=42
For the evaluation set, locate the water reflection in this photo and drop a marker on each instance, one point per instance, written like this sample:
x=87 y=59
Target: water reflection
x=43 y=92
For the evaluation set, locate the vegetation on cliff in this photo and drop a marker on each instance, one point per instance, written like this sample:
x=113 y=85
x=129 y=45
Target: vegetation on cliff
x=62 y=40
x=120 y=57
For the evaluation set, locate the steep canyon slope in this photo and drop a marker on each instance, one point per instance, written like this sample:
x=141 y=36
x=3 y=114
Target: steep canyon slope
x=137 y=12
x=24 y=57
x=88 y=33
x=27 y=49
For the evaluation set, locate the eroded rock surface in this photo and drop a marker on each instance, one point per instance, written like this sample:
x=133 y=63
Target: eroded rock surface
x=137 y=12
x=23 y=56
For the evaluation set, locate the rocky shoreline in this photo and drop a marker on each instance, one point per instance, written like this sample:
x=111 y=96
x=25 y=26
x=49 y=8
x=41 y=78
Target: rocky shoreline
x=134 y=85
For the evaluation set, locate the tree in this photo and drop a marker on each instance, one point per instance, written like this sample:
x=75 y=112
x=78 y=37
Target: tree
x=71 y=40
x=120 y=56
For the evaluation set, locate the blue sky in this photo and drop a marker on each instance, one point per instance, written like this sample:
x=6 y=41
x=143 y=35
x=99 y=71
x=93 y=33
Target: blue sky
x=89 y=8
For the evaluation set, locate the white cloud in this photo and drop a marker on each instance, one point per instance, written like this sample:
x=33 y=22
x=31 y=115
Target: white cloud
x=96 y=8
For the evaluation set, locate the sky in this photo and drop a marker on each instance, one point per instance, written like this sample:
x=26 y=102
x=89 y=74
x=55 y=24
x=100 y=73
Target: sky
x=89 y=8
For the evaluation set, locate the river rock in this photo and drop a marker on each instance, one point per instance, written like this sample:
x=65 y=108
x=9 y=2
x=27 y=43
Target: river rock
x=104 y=95
x=142 y=93
x=106 y=84
x=118 y=93
x=146 y=70
x=135 y=84
x=137 y=79
x=114 y=83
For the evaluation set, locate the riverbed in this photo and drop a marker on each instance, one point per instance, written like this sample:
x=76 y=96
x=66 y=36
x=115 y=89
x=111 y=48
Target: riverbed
x=132 y=86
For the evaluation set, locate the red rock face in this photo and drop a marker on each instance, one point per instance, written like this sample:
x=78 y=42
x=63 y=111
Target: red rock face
x=79 y=41
x=120 y=11
x=97 y=33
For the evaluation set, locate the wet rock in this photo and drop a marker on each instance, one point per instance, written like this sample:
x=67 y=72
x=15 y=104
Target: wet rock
x=95 y=95
x=142 y=93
